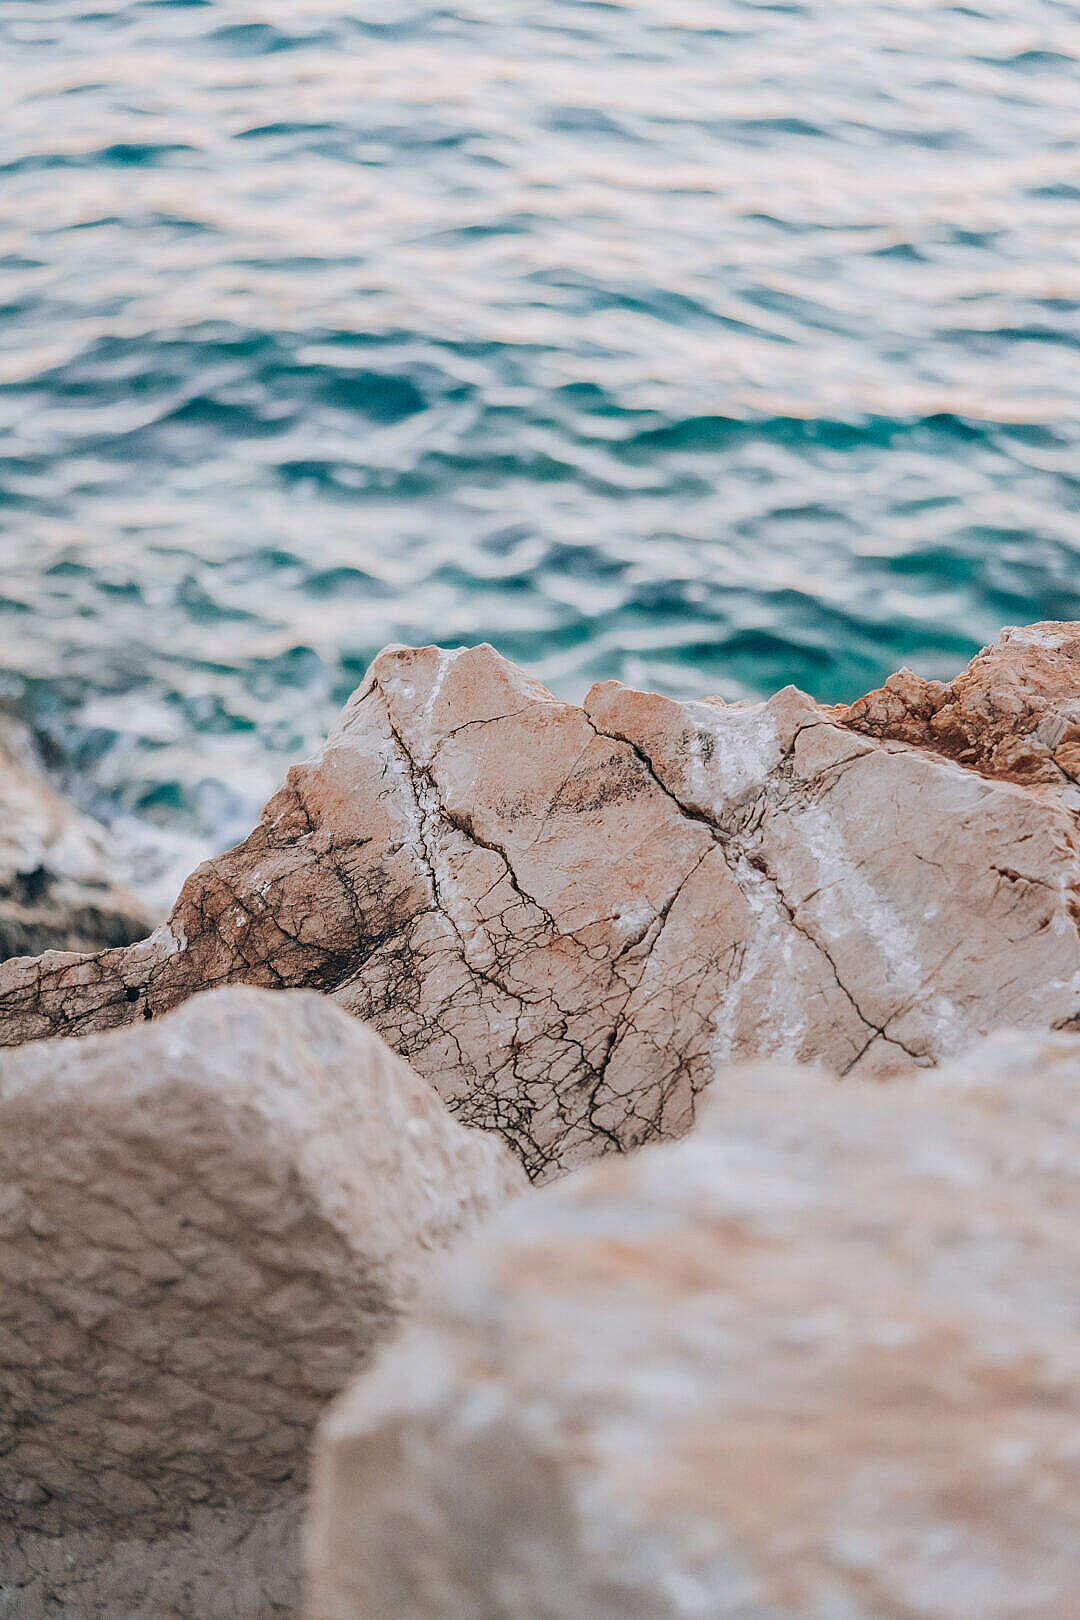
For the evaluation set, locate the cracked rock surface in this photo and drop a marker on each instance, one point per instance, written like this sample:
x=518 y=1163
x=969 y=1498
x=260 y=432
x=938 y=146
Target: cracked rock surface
x=565 y=916
x=205 y=1224
x=56 y=888
x=819 y=1358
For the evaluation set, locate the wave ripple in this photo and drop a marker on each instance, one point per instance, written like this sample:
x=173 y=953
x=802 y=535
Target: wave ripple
x=710 y=346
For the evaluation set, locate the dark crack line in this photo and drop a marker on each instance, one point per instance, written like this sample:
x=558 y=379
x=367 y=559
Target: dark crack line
x=733 y=850
x=461 y=822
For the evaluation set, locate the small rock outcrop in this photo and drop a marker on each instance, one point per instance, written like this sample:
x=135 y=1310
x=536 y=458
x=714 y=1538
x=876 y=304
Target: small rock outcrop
x=819 y=1358
x=56 y=888
x=565 y=917
x=205 y=1224
x=1014 y=713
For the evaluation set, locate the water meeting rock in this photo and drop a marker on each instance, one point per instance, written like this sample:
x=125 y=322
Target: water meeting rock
x=819 y=1358
x=58 y=889
x=566 y=916
x=205 y=1224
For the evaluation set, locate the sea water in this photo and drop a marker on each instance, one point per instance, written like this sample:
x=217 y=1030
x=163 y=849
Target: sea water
x=707 y=344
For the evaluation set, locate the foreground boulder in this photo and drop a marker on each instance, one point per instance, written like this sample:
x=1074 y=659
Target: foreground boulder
x=205 y=1224
x=565 y=917
x=56 y=888
x=821 y=1358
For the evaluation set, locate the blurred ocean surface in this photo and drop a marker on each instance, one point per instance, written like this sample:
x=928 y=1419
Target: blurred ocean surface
x=703 y=343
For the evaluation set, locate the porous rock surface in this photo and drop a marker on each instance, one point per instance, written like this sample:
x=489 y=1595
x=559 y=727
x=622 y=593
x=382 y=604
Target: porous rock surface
x=205 y=1224
x=566 y=916
x=57 y=891
x=820 y=1358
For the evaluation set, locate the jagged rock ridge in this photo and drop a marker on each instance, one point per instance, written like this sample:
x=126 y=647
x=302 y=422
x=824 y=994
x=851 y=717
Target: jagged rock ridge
x=566 y=916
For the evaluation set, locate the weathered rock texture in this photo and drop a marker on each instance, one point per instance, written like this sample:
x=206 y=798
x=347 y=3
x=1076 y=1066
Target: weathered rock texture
x=204 y=1226
x=819 y=1359
x=565 y=917
x=56 y=890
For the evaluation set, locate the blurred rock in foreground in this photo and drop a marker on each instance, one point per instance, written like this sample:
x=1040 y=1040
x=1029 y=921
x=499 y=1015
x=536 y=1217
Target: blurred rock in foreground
x=819 y=1359
x=565 y=917
x=205 y=1224
x=57 y=889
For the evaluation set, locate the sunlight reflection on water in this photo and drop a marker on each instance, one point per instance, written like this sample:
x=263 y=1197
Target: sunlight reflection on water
x=710 y=346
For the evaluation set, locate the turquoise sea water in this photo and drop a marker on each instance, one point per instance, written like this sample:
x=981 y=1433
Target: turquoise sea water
x=704 y=343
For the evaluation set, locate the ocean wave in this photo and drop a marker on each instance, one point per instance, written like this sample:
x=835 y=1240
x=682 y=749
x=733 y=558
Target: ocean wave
x=710 y=348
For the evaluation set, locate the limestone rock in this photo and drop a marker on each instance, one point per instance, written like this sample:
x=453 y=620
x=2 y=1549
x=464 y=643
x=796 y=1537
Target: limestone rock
x=565 y=917
x=820 y=1358
x=205 y=1224
x=56 y=888
x=1014 y=712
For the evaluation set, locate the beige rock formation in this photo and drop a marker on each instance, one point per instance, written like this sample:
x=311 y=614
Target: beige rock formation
x=565 y=917
x=821 y=1358
x=57 y=891
x=205 y=1224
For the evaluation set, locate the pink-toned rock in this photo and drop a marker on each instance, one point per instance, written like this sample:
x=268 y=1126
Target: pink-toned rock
x=566 y=916
x=820 y=1358
x=205 y=1225
x=1014 y=712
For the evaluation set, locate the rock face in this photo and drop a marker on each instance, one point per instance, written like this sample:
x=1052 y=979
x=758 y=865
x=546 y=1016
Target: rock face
x=205 y=1224
x=820 y=1358
x=566 y=917
x=56 y=892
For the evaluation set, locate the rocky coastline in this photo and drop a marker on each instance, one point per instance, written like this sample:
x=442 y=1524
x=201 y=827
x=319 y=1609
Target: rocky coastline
x=805 y=979
x=58 y=888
